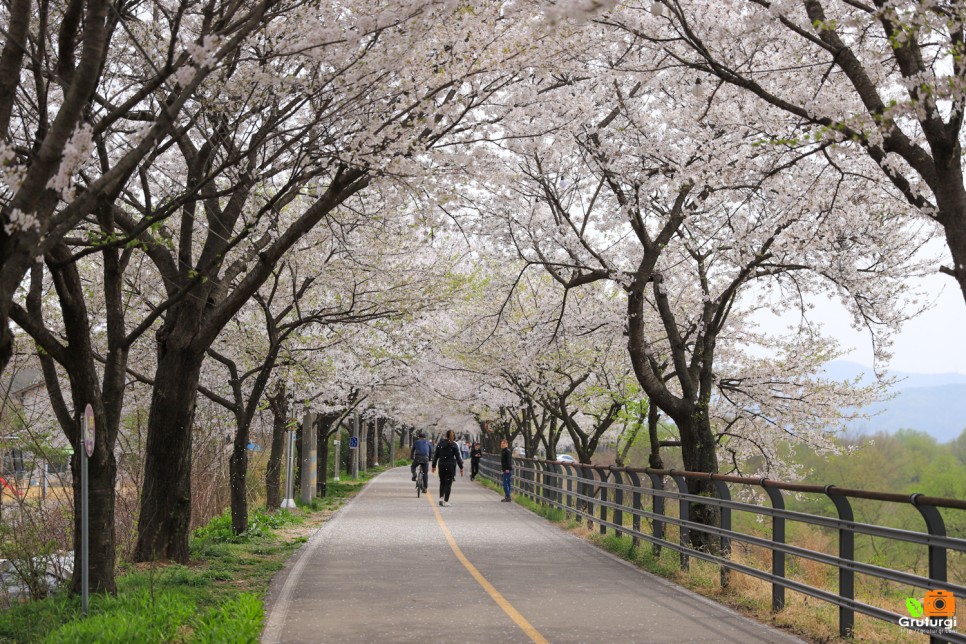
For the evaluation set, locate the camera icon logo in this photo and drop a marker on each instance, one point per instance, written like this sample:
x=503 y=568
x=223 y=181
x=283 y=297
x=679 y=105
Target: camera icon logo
x=939 y=603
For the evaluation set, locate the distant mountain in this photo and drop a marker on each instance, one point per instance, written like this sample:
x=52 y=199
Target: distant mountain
x=932 y=403
x=844 y=370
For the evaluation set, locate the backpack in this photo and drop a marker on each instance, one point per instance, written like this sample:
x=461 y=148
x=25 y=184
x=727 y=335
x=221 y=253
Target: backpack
x=421 y=447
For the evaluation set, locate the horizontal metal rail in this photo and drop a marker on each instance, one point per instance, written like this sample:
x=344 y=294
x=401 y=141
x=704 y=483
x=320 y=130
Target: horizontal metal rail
x=589 y=493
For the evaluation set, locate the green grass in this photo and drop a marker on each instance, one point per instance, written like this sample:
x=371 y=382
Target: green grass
x=216 y=598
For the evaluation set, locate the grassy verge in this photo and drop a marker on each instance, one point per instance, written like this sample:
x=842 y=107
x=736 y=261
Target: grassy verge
x=216 y=598
x=808 y=618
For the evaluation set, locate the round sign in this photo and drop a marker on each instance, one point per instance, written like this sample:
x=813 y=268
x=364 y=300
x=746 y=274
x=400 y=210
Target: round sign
x=89 y=430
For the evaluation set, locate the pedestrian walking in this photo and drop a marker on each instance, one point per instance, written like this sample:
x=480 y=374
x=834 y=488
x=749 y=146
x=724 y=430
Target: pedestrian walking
x=475 y=455
x=506 y=465
x=447 y=455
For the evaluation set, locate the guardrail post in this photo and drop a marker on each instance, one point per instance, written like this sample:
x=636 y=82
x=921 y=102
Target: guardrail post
x=549 y=494
x=937 y=554
x=618 y=500
x=586 y=489
x=846 y=552
x=724 y=494
x=685 y=515
x=535 y=473
x=540 y=482
x=571 y=504
x=635 y=481
x=777 y=536
x=601 y=495
x=558 y=484
x=580 y=487
x=533 y=481
x=657 y=483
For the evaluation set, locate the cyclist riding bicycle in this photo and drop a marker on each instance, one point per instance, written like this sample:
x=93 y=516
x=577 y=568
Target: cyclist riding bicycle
x=420 y=456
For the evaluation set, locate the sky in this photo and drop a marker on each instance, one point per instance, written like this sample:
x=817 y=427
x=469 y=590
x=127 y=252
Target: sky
x=934 y=342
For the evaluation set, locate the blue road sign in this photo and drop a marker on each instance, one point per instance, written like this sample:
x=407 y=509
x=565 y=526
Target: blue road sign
x=353 y=442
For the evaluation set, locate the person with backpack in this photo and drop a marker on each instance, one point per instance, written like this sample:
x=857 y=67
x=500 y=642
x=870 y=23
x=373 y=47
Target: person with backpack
x=448 y=457
x=420 y=455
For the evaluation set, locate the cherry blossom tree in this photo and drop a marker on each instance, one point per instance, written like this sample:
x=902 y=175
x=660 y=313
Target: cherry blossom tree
x=87 y=78
x=642 y=182
x=881 y=83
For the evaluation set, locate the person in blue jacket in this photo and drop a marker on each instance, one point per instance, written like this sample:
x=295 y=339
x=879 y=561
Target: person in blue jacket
x=420 y=455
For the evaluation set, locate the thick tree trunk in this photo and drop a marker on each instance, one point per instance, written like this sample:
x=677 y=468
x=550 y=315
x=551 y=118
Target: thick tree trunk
x=955 y=229
x=372 y=445
x=654 y=458
x=699 y=455
x=101 y=476
x=237 y=476
x=166 y=498
x=273 y=472
x=6 y=340
x=323 y=463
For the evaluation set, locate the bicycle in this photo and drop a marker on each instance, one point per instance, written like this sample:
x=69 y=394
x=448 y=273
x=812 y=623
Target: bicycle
x=420 y=481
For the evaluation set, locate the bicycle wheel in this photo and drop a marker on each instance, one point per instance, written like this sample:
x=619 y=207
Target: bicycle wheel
x=419 y=484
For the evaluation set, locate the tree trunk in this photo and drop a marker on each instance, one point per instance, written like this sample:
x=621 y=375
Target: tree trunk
x=6 y=338
x=166 y=498
x=699 y=454
x=654 y=458
x=273 y=473
x=101 y=476
x=237 y=476
x=954 y=225
x=323 y=463
x=371 y=445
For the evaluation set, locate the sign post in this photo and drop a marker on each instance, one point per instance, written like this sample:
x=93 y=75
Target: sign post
x=354 y=446
x=87 y=436
x=289 y=501
x=337 y=446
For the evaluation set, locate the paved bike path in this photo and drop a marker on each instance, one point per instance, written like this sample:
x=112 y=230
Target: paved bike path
x=382 y=570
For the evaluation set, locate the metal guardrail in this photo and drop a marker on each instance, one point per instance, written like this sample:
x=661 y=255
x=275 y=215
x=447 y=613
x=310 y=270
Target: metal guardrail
x=611 y=497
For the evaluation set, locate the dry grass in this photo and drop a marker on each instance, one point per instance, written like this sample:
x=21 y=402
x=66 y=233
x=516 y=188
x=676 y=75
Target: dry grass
x=807 y=617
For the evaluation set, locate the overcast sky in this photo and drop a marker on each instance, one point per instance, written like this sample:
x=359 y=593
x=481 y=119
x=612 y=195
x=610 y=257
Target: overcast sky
x=934 y=342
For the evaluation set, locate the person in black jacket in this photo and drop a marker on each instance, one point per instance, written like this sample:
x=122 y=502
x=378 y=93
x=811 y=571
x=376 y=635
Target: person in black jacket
x=506 y=465
x=476 y=453
x=448 y=456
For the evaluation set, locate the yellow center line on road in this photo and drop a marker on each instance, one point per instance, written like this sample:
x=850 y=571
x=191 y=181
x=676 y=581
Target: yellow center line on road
x=500 y=600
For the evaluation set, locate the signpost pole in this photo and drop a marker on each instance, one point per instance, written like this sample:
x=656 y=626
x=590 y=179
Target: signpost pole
x=289 y=501
x=87 y=438
x=354 y=444
x=84 y=543
x=337 y=447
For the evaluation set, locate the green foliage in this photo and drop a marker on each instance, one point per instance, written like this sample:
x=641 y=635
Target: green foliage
x=138 y=617
x=237 y=620
x=260 y=522
x=215 y=599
